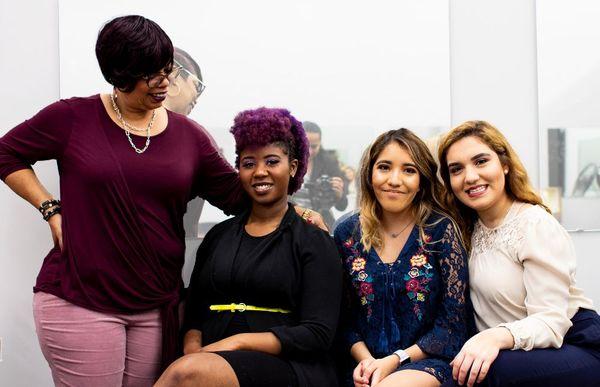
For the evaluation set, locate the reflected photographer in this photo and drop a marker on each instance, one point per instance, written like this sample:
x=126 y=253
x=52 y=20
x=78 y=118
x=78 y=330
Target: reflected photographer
x=187 y=83
x=325 y=186
x=182 y=94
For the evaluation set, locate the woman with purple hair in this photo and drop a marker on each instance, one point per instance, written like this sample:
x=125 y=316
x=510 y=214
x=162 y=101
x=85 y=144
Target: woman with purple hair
x=265 y=292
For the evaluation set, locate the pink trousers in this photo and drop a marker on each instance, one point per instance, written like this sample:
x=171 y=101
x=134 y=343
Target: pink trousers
x=93 y=349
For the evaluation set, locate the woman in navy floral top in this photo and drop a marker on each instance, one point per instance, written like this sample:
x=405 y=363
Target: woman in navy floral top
x=406 y=271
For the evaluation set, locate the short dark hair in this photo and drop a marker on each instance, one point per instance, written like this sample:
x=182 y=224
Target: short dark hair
x=264 y=126
x=311 y=127
x=187 y=62
x=131 y=47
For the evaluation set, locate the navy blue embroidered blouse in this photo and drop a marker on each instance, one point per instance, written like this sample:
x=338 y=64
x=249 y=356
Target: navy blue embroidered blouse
x=421 y=298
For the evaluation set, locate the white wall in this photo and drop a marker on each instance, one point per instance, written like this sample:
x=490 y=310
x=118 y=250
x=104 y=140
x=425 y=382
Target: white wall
x=29 y=68
x=493 y=76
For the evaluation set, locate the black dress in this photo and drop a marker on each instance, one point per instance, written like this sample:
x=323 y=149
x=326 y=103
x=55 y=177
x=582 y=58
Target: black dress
x=296 y=268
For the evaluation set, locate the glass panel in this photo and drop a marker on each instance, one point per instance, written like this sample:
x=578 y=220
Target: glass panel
x=569 y=91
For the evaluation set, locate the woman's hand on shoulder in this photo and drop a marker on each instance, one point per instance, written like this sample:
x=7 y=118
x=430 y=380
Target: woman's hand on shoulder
x=55 y=223
x=473 y=362
x=381 y=368
x=311 y=217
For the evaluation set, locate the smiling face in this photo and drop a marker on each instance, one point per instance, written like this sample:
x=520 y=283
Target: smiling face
x=477 y=175
x=145 y=97
x=395 y=179
x=265 y=173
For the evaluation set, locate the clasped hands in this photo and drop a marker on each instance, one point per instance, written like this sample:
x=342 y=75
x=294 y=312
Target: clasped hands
x=371 y=371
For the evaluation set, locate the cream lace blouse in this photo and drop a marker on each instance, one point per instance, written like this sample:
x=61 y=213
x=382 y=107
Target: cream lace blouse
x=522 y=276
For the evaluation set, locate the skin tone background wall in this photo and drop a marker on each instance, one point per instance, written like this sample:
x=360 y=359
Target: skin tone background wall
x=492 y=76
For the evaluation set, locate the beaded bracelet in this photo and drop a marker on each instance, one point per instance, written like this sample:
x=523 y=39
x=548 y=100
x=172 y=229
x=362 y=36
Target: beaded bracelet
x=55 y=210
x=48 y=204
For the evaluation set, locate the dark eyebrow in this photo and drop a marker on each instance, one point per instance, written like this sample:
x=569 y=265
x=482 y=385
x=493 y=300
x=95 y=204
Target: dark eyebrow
x=272 y=155
x=389 y=162
x=247 y=157
x=479 y=155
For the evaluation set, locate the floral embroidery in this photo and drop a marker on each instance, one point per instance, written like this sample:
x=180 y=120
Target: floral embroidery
x=418 y=260
x=358 y=264
x=414 y=272
x=362 y=282
x=418 y=278
x=348 y=243
x=413 y=285
x=366 y=288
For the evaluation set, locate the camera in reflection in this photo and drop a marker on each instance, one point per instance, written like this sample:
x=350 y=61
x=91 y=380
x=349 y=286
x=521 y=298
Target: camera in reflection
x=321 y=193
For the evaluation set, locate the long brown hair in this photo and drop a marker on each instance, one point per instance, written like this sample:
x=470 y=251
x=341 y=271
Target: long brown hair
x=518 y=187
x=427 y=201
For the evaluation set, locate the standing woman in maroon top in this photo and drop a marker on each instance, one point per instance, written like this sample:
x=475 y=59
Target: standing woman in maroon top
x=106 y=297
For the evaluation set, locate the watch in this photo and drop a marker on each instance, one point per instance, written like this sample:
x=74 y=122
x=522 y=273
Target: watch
x=403 y=356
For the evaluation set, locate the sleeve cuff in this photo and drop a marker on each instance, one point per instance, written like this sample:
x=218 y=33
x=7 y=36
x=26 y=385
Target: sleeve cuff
x=7 y=171
x=280 y=333
x=521 y=336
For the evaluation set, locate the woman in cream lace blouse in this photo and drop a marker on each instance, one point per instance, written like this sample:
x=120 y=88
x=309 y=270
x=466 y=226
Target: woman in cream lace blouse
x=535 y=325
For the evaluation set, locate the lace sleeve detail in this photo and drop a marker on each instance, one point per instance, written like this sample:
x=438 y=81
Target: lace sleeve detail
x=451 y=327
x=348 y=332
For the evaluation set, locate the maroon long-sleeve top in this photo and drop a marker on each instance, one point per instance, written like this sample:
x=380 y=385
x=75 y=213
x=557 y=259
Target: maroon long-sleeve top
x=122 y=212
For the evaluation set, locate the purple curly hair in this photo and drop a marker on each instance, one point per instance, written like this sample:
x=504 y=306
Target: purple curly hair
x=264 y=126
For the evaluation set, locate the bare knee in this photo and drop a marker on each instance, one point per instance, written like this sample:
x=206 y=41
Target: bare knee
x=199 y=369
x=183 y=371
x=408 y=378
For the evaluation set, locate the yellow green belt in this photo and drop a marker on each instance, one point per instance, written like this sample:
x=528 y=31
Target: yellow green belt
x=243 y=307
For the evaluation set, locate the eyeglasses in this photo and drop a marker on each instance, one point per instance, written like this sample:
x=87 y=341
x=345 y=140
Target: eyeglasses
x=155 y=80
x=200 y=86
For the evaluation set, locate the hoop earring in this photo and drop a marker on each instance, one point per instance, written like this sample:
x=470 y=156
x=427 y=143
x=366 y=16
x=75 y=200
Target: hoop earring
x=175 y=94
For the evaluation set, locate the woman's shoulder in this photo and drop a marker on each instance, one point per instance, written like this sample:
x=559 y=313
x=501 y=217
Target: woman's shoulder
x=185 y=123
x=529 y=215
x=348 y=227
x=60 y=115
x=438 y=225
x=220 y=228
x=66 y=106
x=193 y=138
x=186 y=126
x=307 y=232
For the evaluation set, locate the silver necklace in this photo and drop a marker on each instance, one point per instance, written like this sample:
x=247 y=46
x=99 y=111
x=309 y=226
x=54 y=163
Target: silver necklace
x=397 y=234
x=128 y=127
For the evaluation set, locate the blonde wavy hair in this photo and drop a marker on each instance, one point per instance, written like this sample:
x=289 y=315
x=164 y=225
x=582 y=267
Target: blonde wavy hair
x=427 y=201
x=518 y=186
